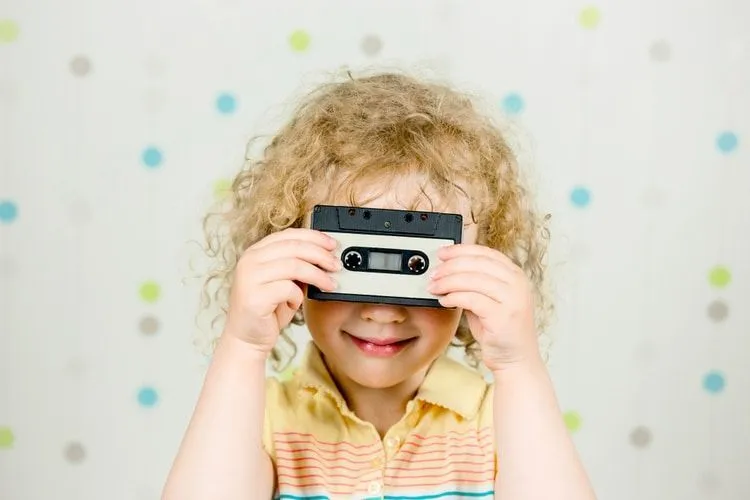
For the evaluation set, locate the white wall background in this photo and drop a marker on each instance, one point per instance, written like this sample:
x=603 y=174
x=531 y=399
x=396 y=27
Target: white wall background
x=622 y=106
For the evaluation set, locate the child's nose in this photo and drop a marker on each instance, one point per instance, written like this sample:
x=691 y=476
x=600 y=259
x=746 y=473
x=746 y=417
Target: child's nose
x=383 y=313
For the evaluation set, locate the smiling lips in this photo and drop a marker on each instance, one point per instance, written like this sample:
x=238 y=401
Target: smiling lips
x=380 y=347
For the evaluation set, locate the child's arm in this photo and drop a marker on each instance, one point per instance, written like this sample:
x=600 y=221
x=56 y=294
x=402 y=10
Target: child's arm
x=536 y=457
x=222 y=456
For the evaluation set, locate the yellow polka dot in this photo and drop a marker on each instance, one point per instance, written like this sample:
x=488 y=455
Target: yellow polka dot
x=299 y=40
x=8 y=31
x=222 y=188
x=572 y=421
x=590 y=17
x=150 y=291
x=288 y=373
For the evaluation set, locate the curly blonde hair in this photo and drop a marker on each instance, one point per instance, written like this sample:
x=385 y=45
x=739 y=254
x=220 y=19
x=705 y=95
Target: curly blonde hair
x=380 y=127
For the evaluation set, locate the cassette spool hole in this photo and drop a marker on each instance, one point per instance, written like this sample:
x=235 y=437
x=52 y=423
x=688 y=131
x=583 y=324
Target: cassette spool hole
x=353 y=259
x=416 y=264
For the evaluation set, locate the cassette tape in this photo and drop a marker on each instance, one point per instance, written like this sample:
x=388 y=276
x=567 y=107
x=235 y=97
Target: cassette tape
x=387 y=255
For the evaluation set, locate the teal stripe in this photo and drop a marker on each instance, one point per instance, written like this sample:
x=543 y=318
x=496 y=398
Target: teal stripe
x=458 y=494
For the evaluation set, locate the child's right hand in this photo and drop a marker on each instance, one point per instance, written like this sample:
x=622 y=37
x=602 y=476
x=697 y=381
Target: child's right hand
x=269 y=281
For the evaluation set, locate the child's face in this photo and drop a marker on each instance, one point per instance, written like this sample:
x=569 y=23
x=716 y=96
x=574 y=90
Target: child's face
x=335 y=326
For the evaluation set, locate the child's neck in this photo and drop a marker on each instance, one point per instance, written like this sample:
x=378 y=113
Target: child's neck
x=381 y=407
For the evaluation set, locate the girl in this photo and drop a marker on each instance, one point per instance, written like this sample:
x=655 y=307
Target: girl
x=377 y=409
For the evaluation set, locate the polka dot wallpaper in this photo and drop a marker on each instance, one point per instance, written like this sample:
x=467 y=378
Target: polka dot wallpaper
x=122 y=123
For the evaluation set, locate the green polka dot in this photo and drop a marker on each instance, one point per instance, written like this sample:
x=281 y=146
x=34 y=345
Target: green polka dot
x=299 y=40
x=590 y=17
x=572 y=421
x=719 y=277
x=288 y=373
x=150 y=291
x=222 y=188
x=8 y=31
x=6 y=437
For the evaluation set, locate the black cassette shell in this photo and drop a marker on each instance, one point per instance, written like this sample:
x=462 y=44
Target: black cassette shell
x=335 y=218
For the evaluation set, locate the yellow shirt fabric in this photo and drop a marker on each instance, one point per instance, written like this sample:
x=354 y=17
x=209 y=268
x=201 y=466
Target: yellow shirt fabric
x=442 y=448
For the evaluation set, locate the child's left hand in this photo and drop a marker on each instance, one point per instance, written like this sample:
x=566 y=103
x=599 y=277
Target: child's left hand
x=497 y=299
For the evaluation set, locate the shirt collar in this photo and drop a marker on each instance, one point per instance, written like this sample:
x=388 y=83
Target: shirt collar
x=448 y=383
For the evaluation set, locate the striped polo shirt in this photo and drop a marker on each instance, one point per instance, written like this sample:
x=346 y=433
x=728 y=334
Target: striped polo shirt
x=442 y=448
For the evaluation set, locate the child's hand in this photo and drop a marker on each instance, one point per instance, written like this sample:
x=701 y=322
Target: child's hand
x=269 y=281
x=497 y=299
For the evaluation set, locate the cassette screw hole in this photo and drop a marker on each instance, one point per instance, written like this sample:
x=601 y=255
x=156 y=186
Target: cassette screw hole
x=366 y=215
x=387 y=224
x=423 y=216
x=408 y=217
x=352 y=211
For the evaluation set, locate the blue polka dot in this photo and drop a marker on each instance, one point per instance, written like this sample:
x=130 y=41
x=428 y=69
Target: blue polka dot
x=152 y=157
x=580 y=196
x=513 y=104
x=8 y=211
x=226 y=104
x=147 y=397
x=714 y=382
x=727 y=142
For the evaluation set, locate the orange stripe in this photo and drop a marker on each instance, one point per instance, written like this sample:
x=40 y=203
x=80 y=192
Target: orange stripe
x=483 y=432
x=424 y=442
x=443 y=467
x=414 y=456
x=319 y=455
x=434 y=448
x=314 y=439
x=441 y=482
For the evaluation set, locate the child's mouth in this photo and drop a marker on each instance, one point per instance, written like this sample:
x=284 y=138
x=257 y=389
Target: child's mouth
x=380 y=347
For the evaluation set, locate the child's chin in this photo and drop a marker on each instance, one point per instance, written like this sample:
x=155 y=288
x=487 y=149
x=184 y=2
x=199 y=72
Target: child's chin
x=377 y=375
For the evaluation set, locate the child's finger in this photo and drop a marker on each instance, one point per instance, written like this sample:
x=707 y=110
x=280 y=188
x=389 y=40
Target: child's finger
x=470 y=282
x=475 y=263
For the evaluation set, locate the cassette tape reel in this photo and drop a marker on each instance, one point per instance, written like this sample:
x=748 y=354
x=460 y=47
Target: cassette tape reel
x=387 y=255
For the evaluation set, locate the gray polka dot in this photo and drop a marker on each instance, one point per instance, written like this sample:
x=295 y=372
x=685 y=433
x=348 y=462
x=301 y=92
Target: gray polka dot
x=149 y=325
x=80 y=66
x=640 y=437
x=709 y=483
x=154 y=100
x=660 y=51
x=74 y=453
x=718 y=311
x=371 y=45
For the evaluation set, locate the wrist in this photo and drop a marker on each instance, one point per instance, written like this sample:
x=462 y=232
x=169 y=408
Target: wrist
x=526 y=366
x=236 y=347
